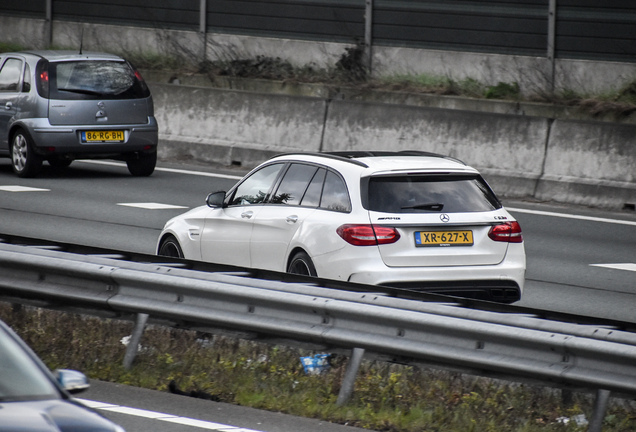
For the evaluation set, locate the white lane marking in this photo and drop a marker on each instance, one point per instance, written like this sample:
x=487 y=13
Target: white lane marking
x=163 y=417
x=172 y=170
x=618 y=266
x=22 y=189
x=570 y=216
x=152 y=206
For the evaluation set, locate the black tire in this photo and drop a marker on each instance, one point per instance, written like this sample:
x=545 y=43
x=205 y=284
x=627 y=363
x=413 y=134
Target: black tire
x=25 y=162
x=60 y=162
x=170 y=248
x=301 y=264
x=142 y=165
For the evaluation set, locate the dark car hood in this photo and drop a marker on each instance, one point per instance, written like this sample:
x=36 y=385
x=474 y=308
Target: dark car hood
x=51 y=415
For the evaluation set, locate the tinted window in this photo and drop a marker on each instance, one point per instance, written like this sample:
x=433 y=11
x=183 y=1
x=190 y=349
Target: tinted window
x=294 y=184
x=20 y=378
x=314 y=191
x=334 y=194
x=416 y=194
x=255 y=188
x=10 y=75
x=95 y=80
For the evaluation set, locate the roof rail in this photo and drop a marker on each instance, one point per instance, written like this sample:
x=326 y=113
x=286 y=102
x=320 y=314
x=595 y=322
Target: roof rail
x=362 y=153
x=351 y=156
x=328 y=155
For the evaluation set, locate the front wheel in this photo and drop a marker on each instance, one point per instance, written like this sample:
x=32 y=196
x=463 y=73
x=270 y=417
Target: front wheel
x=25 y=162
x=301 y=264
x=142 y=165
x=170 y=248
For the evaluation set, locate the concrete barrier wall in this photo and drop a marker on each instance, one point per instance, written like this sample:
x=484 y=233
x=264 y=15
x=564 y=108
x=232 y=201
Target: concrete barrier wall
x=590 y=163
x=235 y=127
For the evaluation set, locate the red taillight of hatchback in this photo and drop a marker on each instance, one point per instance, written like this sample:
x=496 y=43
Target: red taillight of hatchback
x=368 y=235
x=509 y=232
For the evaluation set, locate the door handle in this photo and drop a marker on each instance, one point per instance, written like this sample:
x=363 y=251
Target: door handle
x=9 y=105
x=291 y=219
x=247 y=214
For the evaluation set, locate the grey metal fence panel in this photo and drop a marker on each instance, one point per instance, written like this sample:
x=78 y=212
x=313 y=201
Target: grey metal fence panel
x=162 y=14
x=24 y=8
x=594 y=30
x=341 y=21
x=510 y=27
x=585 y=29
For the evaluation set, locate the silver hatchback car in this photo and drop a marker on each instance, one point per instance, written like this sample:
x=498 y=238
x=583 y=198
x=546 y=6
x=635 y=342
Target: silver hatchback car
x=60 y=106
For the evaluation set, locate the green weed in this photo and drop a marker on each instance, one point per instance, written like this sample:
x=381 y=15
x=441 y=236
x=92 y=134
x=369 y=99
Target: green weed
x=387 y=397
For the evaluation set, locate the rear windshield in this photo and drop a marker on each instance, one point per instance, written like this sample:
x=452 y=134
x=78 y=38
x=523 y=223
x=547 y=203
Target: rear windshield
x=95 y=79
x=429 y=193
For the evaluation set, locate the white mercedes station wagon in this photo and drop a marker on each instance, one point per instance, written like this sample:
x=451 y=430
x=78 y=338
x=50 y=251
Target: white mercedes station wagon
x=412 y=220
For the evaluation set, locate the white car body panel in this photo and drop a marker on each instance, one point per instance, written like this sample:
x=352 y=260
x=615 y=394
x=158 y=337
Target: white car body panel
x=226 y=235
x=273 y=229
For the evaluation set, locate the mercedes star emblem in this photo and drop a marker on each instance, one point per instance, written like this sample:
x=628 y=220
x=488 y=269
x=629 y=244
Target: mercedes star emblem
x=444 y=217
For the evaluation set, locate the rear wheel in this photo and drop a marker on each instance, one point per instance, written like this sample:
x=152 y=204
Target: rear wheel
x=301 y=264
x=25 y=162
x=170 y=248
x=142 y=165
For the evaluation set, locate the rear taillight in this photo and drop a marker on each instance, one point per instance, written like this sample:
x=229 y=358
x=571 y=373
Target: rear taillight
x=368 y=235
x=42 y=78
x=506 y=232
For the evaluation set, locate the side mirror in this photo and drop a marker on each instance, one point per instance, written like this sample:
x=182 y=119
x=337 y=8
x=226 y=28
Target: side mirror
x=215 y=199
x=72 y=381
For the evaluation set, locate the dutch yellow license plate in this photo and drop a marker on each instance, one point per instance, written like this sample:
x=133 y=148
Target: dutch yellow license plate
x=103 y=136
x=443 y=238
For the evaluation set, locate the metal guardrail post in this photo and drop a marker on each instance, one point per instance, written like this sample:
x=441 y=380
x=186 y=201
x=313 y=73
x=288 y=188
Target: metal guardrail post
x=350 y=376
x=600 y=407
x=133 y=344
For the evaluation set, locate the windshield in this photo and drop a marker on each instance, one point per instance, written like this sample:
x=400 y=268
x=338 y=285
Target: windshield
x=95 y=79
x=20 y=378
x=430 y=193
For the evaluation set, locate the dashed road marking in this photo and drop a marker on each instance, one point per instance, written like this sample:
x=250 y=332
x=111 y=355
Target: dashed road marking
x=618 y=266
x=171 y=170
x=22 y=189
x=163 y=417
x=152 y=206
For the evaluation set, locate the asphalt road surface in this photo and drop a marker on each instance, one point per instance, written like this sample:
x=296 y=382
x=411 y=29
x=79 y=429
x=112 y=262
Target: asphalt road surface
x=579 y=260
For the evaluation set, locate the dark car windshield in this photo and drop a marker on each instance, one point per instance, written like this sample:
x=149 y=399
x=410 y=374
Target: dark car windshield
x=95 y=79
x=429 y=193
x=20 y=378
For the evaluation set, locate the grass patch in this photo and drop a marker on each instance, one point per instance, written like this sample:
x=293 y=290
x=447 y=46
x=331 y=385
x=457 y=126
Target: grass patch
x=350 y=71
x=387 y=397
x=10 y=47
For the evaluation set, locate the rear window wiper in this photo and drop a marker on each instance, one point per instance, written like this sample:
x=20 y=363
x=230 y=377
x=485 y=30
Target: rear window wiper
x=82 y=91
x=425 y=206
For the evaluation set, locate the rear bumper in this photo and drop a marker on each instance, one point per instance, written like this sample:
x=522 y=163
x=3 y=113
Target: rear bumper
x=66 y=140
x=502 y=282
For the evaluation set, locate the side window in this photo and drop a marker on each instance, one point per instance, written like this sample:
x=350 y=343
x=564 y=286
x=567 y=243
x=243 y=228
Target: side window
x=26 y=80
x=255 y=188
x=294 y=183
x=335 y=195
x=10 y=75
x=314 y=191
